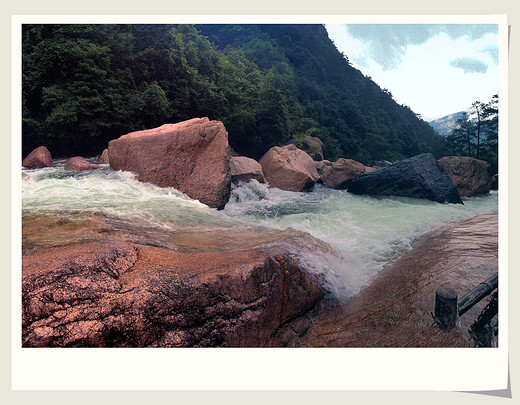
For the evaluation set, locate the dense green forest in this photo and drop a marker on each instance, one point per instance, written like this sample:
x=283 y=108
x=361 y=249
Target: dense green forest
x=84 y=85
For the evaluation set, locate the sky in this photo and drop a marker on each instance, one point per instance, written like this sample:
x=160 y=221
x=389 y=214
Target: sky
x=435 y=69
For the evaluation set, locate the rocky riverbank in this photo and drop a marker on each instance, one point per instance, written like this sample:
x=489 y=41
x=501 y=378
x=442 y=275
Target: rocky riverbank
x=395 y=310
x=99 y=284
x=104 y=287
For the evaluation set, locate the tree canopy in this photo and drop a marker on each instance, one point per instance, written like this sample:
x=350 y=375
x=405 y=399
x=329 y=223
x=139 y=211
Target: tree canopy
x=476 y=133
x=84 y=85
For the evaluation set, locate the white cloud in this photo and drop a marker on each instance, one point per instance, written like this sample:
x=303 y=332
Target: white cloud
x=423 y=77
x=386 y=44
x=469 y=65
x=492 y=51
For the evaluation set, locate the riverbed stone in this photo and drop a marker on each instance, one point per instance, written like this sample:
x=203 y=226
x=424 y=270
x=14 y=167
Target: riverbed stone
x=421 y=176
x=77 y=163
x=38 y=158
x=341 y=173
x=471 y=176
x=289 y=168
x=191 y=156
x=245 y=169
x=104 y=157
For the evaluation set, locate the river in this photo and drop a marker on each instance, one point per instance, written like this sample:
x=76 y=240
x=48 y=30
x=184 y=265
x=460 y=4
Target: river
x=366 y=233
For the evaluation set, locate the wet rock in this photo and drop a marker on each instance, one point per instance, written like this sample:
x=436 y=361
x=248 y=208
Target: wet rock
x=38 y=158
x=104 y=157
x=191 y=156
x=395 y=309
x=119 y=294
x=289 y=168
x=419 y=177
x=471 y=176
x=341 y=173
x=78 y=164
x=245 y=169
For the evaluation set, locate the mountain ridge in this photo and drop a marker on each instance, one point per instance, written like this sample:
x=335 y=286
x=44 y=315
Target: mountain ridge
x=443 y=125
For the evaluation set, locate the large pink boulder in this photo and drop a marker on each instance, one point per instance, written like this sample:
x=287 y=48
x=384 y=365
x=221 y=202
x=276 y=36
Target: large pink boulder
x=289 y=168
x=245 y=169
x=39 y=157
x=191 y=156
x=341 y=173
x=471 y=176
x=77 y=163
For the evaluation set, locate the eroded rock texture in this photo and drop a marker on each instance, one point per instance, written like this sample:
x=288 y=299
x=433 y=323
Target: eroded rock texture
x=119 y=294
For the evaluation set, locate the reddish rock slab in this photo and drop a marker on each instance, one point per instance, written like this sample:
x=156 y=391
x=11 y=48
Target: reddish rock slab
x=190 y=156
x=395 y=309
x=79 y=164
x=289 y=168
x=471 y=176
x=120 y=294
x=38 y=158
x=104 y=157
x=245 y=169
x=341 y=173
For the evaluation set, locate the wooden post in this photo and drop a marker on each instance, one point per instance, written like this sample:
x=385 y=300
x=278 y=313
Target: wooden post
x=445 y=308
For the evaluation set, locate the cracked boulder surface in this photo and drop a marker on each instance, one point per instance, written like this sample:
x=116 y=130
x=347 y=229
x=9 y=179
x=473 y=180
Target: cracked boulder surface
x=122 y=294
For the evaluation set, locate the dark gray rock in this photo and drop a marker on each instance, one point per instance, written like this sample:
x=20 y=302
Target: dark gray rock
x=419 y=177
x=494 y=182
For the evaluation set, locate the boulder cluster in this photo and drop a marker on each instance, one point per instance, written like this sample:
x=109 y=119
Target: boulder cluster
x=194 y=157
x=117 y=293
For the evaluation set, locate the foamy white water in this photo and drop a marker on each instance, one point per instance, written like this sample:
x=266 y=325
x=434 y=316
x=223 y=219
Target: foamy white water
x=365 y=232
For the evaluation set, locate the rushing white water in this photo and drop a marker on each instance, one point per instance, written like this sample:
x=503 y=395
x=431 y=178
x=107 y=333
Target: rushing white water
x=365 y=232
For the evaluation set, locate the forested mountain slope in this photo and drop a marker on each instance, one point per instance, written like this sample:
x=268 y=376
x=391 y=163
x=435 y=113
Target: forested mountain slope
x=86 y=84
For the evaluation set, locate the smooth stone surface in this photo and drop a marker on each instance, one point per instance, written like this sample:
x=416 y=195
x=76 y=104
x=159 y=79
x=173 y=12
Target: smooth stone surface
x=245 y=169
x=421 y=176
x=191 y=156
x=395 y=309
x=289 y=168
x=77 y=163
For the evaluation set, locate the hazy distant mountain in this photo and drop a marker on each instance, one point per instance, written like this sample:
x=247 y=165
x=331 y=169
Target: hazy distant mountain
x=444 y=124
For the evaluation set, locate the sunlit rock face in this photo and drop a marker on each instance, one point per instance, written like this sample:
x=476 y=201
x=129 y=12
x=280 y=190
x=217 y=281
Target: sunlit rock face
x=191 y=156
